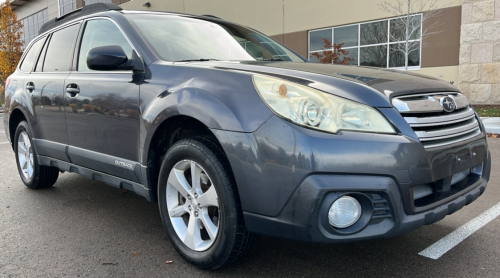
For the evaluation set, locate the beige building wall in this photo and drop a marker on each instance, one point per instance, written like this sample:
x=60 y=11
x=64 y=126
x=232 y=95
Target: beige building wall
x=449 y=74
x=263 y=15
x=480 y=51
x=274 y=17
x=313 y=14
x=32 y=7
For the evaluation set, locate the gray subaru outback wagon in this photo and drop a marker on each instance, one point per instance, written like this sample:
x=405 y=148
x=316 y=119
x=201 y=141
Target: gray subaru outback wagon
x=235 y=135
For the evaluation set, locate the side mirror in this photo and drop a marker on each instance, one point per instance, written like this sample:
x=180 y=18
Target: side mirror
x=107 y=57
x=112 y=57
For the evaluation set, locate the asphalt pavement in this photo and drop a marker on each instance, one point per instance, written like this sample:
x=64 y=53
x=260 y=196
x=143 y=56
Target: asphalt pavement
x=84 y=228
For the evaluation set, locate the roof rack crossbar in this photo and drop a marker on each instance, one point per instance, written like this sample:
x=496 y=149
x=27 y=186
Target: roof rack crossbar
x=86 y=10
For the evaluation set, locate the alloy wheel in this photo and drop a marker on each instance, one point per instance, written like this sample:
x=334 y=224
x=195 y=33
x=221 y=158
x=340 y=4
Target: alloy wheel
x=25 y=155
x=193 y=206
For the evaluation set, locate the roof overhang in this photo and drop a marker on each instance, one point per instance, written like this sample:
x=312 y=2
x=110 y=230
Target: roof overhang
x=18 y=3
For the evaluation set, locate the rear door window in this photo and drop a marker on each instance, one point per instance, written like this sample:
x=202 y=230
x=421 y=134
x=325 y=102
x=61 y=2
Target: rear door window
x=30 y=58
x=59 y=51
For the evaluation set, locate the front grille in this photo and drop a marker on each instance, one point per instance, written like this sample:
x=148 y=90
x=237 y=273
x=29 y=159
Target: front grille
x=434 y=114
x=434 y=126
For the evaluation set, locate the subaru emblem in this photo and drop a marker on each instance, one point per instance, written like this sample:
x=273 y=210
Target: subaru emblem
x=448 y=104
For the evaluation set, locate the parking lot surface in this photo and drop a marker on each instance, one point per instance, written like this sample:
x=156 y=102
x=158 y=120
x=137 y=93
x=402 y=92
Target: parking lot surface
x=84 y=228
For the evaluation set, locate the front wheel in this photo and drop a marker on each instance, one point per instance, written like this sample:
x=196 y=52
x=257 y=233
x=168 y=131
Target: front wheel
x=199 y=205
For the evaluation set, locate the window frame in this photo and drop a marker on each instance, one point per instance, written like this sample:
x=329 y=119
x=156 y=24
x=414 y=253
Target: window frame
x=359 y=46
x=78 y=45
x=50 y=33
x=37 y=57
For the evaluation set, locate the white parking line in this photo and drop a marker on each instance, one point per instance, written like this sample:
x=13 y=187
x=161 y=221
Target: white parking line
x=445 y=244
x=4 y=143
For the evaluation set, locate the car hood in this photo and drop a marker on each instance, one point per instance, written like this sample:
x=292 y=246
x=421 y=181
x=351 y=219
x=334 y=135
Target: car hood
x=372 y=86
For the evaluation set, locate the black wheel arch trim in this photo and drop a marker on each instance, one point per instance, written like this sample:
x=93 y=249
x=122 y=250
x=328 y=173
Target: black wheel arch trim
x=21 y=109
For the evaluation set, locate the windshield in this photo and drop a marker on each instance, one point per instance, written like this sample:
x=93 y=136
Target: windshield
x=177 y=38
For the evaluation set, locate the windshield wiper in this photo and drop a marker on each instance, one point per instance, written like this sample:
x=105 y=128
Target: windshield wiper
x=197 y=60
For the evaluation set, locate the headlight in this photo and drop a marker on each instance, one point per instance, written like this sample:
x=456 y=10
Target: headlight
x=312 y=108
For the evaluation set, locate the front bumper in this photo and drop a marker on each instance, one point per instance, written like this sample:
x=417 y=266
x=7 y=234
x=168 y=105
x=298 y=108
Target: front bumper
x=288 y=177
x=304 y=217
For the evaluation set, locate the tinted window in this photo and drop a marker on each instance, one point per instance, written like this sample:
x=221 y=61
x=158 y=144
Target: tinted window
x=313 y=58
x=30 y=58
x=398 y=28
x=373 y=56
x=397 y=57
x=100 y=33
x=369 y=42
x=373 y=33
x=352 y=53
x=59 y=51
x=347 y=35
x=316 y=39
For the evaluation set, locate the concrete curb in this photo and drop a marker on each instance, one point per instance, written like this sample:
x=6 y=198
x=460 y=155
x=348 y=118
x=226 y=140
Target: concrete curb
x=492 y=124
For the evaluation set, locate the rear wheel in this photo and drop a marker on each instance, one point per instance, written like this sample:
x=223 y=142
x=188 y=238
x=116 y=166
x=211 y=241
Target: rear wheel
x=33 y=175
x=199 y=205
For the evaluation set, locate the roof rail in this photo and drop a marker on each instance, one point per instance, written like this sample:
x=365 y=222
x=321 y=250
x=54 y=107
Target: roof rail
x=209 y=15
x=90 y=9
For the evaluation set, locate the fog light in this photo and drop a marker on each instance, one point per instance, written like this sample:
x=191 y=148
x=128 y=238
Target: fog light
x=344 y=212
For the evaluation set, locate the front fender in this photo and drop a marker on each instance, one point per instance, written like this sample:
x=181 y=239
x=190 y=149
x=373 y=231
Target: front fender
x=196 y=103
x=220 y=99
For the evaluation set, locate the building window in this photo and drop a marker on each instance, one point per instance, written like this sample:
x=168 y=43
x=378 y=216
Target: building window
x=32 y=24
x=66 y=6
x=375 y=43
x=88 y=2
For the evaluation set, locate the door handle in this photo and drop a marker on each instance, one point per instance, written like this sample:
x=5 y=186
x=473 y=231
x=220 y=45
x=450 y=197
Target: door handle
x=30 y=87
x=72 y=90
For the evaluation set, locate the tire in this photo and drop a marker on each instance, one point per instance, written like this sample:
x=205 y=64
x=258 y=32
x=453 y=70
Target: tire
x=32 y=174
x=208 y=247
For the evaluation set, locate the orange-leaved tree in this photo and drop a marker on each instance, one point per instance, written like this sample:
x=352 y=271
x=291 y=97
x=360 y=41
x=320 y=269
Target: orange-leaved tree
x=11 y=42
x=2 y=97
x=335 y=55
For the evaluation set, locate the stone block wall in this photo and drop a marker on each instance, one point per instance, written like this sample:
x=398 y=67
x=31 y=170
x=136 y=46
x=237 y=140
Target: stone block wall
x=479 y=72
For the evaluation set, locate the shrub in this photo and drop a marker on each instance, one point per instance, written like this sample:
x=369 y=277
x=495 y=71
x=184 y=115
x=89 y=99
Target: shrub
x=74 y=107
x=87 y=108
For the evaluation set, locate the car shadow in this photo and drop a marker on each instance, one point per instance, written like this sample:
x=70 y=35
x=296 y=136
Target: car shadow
x=119 y=211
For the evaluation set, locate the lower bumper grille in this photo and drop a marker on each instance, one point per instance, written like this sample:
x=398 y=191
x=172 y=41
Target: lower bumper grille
x=380 y=207
x=428 y=194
